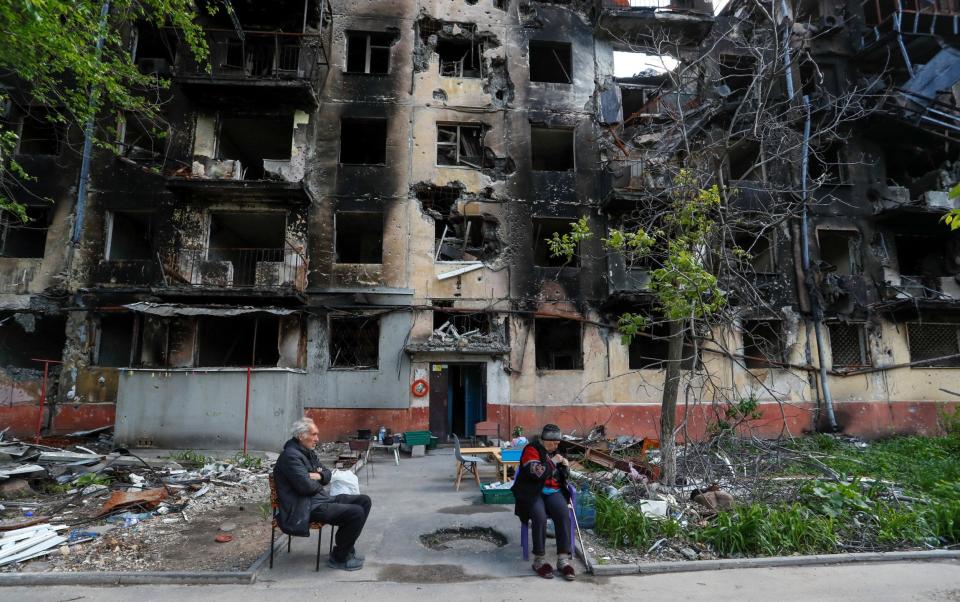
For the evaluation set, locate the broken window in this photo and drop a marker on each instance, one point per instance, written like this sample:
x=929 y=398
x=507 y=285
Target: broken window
x=841 y=249
x=759 y=247
x=633 y=100
x=464 y=239
x=550 y=62
x=744 y=161
x=762 y=344
x=248 y=340
x=736 y=72
x=130 y=236
x=544 y=229
x=116 y=341
x=359 y=237
x=24 y=239
x=649 y=350
x=818 y=78
x=848 y=345
x=460 y=145
x=355 y=342
x=25 y=337
x=39 y=134
x=253 y=140
x=243 y=248
x=936 y=345
x=462 y=323
x=368 y=52
x=558 y=343
x=461 y=57
x=153 y=51
x=363 y=141
x=551 y=149
x=141 y=140
x=829 y=165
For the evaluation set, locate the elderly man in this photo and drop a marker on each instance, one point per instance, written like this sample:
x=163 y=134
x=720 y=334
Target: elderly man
x=300 y=478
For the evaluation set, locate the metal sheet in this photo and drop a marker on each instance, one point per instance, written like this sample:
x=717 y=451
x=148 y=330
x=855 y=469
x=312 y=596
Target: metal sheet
x=174 y=309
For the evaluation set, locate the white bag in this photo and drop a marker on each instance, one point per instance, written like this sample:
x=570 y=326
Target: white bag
x=344 y=481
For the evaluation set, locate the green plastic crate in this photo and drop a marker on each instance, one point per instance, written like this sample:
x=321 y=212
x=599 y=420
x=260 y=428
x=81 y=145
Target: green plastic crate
x=497 y=496
x=416 y=438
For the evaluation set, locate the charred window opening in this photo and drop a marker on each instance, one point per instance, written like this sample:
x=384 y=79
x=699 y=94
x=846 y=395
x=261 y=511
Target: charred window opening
x=736 y=72
x=24 y=239
x=245 y=243
x=369 y=52
x=559 y=344
x=153 y=50
x=167 y=342
x=759 y=248
x=818 y=78
x=840 y=249
x=359 y=237
x=762 y=343
x=461 y=57
x=937 y=345
x=633 y=100
x=355 y=342
x=464 y=323
x=543 y=230
x=131 y=235
x=363 y=141
x=829 y=165
x=250 y=340
x=40 y=134
x=921 y=259
x=469 y=238
x=27 y=336
x=550 y=62
x=744 y=160
x=460 y=145
x=254 y=140
x=141 y=140
x=551 y=149
x=117 y=341
x=650 y=349
x=848 y=345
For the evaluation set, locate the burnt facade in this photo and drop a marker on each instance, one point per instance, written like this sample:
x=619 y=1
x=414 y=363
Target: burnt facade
x=352 y=198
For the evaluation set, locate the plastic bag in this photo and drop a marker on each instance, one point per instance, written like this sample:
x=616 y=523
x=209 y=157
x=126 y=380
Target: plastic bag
x=344 y=482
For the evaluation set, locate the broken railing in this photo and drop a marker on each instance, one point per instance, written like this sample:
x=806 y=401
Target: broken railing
x=911 y=15
x=261 y=55
x=248 y=268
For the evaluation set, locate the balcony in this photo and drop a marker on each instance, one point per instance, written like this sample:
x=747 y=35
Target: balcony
x=249 y=270
x=627 y=181
x=931 y=17
x=626 y=22
x=626 y=280
x=265 y=68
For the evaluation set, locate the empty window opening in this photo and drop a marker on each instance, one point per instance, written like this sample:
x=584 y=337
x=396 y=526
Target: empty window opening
x=544 y=229
x=464 y=323
x=762 y=344
x=551 y=149
x=460 y=145
x=650 y=352
x=251 y=140
x=550 y=62
x=141 y=140
x=641 y=64
x=744 y=160
x=153 y=50
x=921 y=257
x=251 y=340
x=469 y=238
x=242 y=242
x=116 y=342
x=355 y=342
x=936 y=345
x=848 y=345
x=759 y=249
x=39 y=134
x=368 y=52
x=461 y=57
x=559 y=345
x=633 y=101
x=363 y=141
x=736 y=72
x=359 y=237
x=24 y=239
x=818 y=79
x=28 y=336
x=130 y=236
x=829 y=165
x=841 y=249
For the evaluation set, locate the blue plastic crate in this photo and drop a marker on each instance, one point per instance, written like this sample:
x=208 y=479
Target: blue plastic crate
x=511 y=455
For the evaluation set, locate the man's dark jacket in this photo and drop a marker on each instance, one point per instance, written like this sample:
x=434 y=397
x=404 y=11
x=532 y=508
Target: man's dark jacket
x=528 y=487
x=298 y=493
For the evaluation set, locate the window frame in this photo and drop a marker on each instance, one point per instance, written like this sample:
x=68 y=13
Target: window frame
x=457 y=143
x=865 y=359
x=926 y=365
x=369 y=46
x=331 y=319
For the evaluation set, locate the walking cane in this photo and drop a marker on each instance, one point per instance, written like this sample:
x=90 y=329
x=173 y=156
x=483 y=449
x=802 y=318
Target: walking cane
x=583 y=549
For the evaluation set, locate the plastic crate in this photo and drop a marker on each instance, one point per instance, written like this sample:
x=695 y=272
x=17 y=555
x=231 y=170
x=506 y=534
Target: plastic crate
x=497 y=496
x=433 y=442
x=511 y=455
x=416 y=438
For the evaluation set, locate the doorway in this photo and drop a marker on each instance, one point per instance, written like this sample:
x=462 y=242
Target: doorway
x=458 y=399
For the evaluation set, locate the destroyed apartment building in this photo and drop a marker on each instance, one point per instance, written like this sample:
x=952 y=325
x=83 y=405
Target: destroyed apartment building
x=352 y=200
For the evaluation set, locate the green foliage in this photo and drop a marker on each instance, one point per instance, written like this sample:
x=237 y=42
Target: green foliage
x=625 y=525
x=568 y=244
x=736 y=413
x=630 y=325
x=758 y=530
x=952 y=218
x=835 y=499
x=189 y=456
x=247 y=461
x=949 y=420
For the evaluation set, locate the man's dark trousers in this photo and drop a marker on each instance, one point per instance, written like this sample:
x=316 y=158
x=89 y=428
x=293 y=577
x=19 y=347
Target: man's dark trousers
x=349 y=514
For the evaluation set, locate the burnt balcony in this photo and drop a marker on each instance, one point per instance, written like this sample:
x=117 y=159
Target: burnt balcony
x=628 y=181
x=630 y=21
x=248 y=270
x=265 y=68
x=932 y=17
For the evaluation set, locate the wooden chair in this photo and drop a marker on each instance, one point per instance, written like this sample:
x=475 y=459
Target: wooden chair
x=275 y=508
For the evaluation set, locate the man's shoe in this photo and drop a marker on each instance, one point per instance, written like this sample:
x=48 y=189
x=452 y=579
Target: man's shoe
x=359 y=557
x=350 y=564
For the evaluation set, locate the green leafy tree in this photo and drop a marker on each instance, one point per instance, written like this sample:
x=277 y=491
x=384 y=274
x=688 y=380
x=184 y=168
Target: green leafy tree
x=73 y=58
x=952 y=218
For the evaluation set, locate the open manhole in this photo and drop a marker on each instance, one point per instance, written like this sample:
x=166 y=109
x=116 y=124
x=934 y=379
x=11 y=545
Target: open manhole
x=467 y=539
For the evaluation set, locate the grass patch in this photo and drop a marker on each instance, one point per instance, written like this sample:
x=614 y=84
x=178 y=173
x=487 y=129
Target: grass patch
x=758 y=530
x=627 y=526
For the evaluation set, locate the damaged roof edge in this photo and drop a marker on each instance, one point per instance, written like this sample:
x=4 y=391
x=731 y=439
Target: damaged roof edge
x=175 y=309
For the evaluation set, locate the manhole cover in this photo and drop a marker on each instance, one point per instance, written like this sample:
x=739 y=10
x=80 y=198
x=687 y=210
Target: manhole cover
x=472 y=539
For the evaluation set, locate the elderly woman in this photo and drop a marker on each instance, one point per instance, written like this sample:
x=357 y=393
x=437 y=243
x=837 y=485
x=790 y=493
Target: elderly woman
x=541 y=491
x=300 y=478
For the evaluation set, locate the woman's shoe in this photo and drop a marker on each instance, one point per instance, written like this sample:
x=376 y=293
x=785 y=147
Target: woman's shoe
x=566 y=568
x=542 y=568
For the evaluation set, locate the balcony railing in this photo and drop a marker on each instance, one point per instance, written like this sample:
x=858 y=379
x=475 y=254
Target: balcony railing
x=239 y=268
x=916 y=16
x=648 y=4
x=260 y=55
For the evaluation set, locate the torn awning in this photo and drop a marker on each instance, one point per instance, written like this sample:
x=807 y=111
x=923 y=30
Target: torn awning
x=175 y=309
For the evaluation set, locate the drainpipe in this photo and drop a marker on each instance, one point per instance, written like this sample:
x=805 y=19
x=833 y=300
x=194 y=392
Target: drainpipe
x=88 y=143
x=814 y=301
x=787 y=59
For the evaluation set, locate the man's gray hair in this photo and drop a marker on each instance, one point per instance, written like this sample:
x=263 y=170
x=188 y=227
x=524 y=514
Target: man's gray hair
x=301 y=427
